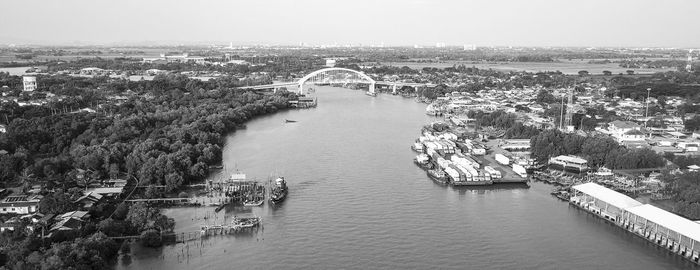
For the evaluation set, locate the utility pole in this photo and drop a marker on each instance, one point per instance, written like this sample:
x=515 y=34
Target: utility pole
x=561 y=117
x=646 y=115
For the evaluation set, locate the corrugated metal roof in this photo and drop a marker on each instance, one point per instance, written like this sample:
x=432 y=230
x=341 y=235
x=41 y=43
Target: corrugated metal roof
x=668 y=220
x=607 y=195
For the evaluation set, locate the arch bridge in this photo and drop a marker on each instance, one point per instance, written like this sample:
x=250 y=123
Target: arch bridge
x=336 y=75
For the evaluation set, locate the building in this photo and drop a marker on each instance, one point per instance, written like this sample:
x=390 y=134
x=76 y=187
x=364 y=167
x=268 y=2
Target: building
x=670 y=231
x=106 y=191
x=88 y=200
x=29 y=83
x=605 y=202
x=330 y=62
x=673 y=232
x=617 y=128
x=184 y=58
x=20 y=204
x=569 y=163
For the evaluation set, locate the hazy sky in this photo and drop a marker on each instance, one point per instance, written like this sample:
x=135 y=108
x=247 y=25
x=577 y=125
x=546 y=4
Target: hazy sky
x=658 y=23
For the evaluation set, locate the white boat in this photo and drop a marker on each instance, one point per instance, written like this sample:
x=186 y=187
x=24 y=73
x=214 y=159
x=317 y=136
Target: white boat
x=253 y=203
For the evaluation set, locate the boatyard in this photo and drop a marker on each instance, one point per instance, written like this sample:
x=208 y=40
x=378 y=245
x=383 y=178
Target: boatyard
x=459 y=161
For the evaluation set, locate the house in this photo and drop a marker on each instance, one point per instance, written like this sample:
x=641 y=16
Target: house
x=68 y=224
x=88 y=200
x=74 y=214
x=70 y=221
x=20 y=204
x=625 y=131
x=693 y=168
x=634 y=135
x=34 y=221
x=11 y=224
x=107 y=191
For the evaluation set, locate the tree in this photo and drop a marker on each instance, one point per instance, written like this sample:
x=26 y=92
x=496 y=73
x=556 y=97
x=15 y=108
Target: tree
x=56 y=203
x=545 y=97
x=583 y=73
x=151 y=238
x=607 y=73
x=661 y=100
x=630 y=72
x=692 y=124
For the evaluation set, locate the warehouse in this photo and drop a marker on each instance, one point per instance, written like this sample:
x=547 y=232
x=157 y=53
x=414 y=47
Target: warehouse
x=676 y=233
x=605 y=202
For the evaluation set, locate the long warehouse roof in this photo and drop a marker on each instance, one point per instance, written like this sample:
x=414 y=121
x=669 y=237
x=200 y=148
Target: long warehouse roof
x=668 y=220
x=607 y=195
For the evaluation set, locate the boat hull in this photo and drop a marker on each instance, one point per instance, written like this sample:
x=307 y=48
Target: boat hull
x=440 y=180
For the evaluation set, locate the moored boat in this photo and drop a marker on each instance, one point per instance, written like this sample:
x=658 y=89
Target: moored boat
x=423 y=161
x=438 y=176
x=245 y=222
x=278 y=190
x=257 y=202
x=418 y=147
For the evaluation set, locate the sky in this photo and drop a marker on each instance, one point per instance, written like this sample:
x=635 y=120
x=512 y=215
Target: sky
x=597 y=23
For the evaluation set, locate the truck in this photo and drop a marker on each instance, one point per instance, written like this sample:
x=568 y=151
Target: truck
x=478 y=151
x=495 y=174
x=503 y=160
x=520 y=170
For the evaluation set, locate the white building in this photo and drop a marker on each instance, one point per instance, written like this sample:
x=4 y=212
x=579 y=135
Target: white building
x=29 y=83
x=625 y=131
x=20 y=204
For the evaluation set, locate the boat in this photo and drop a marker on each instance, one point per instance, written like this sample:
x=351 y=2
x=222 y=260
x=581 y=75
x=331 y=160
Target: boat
x=423 y=161
x=438 y=176
x=418 y=147
x=219 y=208
x=257 y=202
x=289 y=121
x=371 y=94
x=245 y=222
x=278 y=191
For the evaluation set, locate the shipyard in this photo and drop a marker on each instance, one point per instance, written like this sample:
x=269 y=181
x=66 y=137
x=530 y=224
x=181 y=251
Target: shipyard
x=460 y=161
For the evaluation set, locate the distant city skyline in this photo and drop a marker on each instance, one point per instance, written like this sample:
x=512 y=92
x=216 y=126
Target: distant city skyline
x=592 y=23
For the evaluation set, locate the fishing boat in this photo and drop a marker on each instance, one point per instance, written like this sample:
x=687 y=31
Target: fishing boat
x=289 y=121
x=279 y=190
x=418 y=147
x=245 y=222
x=257 y=202
x=438 y=176
x=423 y=161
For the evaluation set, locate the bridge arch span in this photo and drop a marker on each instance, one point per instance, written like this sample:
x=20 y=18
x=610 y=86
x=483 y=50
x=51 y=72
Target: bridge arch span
x=328 y=72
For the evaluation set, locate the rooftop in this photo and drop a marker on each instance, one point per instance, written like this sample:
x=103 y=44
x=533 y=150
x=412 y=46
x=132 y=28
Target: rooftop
x=623 y=124
x=607 y=195
x=668 y=220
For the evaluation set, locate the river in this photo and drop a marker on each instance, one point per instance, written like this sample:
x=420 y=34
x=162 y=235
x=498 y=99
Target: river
x=357 y=201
